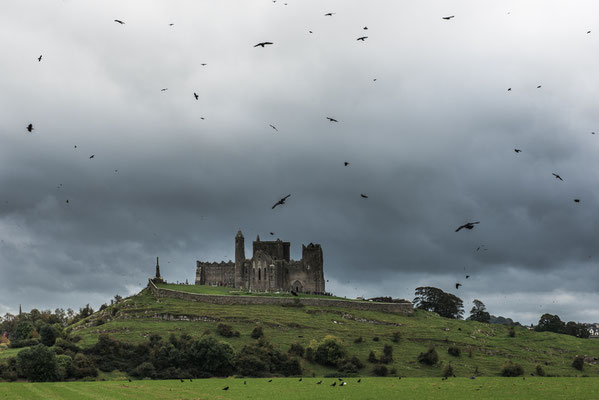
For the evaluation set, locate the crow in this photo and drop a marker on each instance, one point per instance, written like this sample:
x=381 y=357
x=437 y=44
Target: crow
x=457 y=285
x=517 y=150
x=365 y=28
x=345 y=163
x=270 y=380
x=509 y=89
x=164 y=89
x=332 y=119
x=359 y=380
x=119 y=21
x=592 y=133
x=538 y=87
x=293 y=293
x=196 y=95
x=588 y=32
x=343 y=383
x=203 y=64
x=319 y=382
x=467 y=276
x=92 y=156
x=226 y=388
x=245 y=382
x=39 y=59
x=281 y=202
x=310 y=32
x=576 y=200
x=182 y=380
x=340 y=380
x=272 y=233
x=363 y=196
x=67 y=201
x=329 y=14
x=468 y=225
x=171 y=24
x=263 y=44
x=300 y=379
x=362 y=38
x=29 y=127
x=449 y=17
x=334 y=384
x=274 y=127
x=129 y=380
x=557 y=176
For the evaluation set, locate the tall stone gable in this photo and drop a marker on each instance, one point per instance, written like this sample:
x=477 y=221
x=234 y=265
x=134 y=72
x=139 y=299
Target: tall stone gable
x=269 y=269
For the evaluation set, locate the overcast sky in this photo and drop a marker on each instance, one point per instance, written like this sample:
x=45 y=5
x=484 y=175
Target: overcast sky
x=426 y=122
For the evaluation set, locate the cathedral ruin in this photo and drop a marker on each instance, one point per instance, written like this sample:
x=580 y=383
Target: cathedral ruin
x=269 y=269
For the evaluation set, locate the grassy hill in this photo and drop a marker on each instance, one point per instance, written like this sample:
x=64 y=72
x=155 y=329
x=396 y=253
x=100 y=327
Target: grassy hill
x=484 y=347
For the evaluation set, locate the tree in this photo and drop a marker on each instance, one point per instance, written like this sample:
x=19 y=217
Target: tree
x=48 y=335
x=38 y=364
x=550 y=323
x=23 y=330
x=433 y=299
x=575 y=329
x=479 y=312
x=330 y=351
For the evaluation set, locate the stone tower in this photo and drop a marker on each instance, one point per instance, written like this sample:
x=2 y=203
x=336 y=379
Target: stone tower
x=158 y=278
x=239 y=259
x=312 y=258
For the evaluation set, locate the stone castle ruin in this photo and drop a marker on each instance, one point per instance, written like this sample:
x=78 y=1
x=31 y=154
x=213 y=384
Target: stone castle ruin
x=270 y=268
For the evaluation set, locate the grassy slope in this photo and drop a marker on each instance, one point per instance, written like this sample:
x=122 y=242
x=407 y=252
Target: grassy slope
x=139 y=316
x=291 y=388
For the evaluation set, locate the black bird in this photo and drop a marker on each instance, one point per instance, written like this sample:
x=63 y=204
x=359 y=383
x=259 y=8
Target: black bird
x=576 y=200
x=334 y=384
x=319 y=382
x=365 y=28
x=171 y=24
x=245 y=382
x=182 y=380
x=67 y=201
x=363 y=196
x=92 y=156
x=362 y=38
x=467 y=276
x=75 y=147
x=274 y=127
x=468 y=225
x=343 y=384
x=359 y=380
x=345 y=163
x=203 y=64
x=329 y=14
x=270 y=380
x=592 y=133
x=300 y=379
x=39 y=58
x=190 y=380
x=263 y=44
x=196 y=95
x=310 y=32
x=272 y=233
x=509 y=89
x=30 y=127
x=332 y=119
x=457 y=285
x=293 y=293
x=281 y=202
x=164 y=89
x=588 y=32
x=340 y=380
x=449 y=17
x=557 y=176
x=538 y=87
x=129 y=380
x=226 y=388
x=517 y=150
x=119 y=21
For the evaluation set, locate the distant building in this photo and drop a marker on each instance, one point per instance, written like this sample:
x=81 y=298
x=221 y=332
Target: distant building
x=269 y=269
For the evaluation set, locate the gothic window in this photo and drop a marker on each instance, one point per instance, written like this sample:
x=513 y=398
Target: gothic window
x=259 y=274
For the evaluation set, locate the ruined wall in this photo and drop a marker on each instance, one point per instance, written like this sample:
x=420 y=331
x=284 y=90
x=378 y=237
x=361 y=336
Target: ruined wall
x=222 y=273
x=277 y=249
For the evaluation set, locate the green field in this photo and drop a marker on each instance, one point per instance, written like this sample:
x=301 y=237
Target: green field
x=484 y=347
x=292 y=388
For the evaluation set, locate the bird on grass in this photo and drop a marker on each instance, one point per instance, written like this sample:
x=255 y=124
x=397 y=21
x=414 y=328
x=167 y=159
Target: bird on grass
x=340 y=380
x=300 y=379
x=518 y=150
x=557 y=177
x=319 y=382
x=118 y=21
x=343 y=383
x=334 y=384
x=129 y=380
x=226 y=388
x=245 y=382
x=448 y=17
x=293 y=293
x=274 y=127
x=362 y=38
x=262 y=44
x=29 y=127
x=457 y=285
x=39 y=59
x=359 y=380
x=467 y=225
x=270 y=380
x=182 y=380
x=196 y=95
x=281 y=202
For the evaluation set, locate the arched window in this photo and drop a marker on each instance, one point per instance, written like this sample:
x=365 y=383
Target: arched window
x=259 y=274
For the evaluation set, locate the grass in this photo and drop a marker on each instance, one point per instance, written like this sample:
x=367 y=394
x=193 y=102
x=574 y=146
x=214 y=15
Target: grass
x=489 y=345
x=292 y=388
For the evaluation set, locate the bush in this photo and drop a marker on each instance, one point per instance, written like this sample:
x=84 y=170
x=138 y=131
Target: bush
x=210 y=356
x=145 y=370
x=83 y=366
x=257 y=333
x=329 y=351
x=396 y=337
x=430 y=357
x=260 y=359
x=454 y=351
x=387 y=354
x=296 y=349
x=38 y=364
x=8 y=369
x=372 y=358
x=540 y=371
x=350 y=365
x=578 y=362
x=358 y=340
x=511 y=332
x=226 y=331
x=511 y=369
x=448 y=371
x=291 y=367
x=309 y=355
x=48 y=335
x=375 y=339
x=65 y=366
x=380 y=370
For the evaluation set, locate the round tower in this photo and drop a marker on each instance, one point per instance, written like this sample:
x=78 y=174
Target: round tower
x=240 y=277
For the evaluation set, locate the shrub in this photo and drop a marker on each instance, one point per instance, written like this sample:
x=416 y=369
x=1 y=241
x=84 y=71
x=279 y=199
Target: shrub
x=145 y=370
x=226 y=331
x=540 y=371
x=396 y=337
x=511 y=332
x=454 y=351
x=387 y=354
x=291 y=367
x=83 y=366
x=310 y=354
x=375 y=339
x=260 y=359
x=329 y=351
x=210 y=356
x=65 y=366
x=358 y=340
x=380 y=370
x=448 y=371
x=257 y=333
x=511 y=369
x=372 y=358
x=38 y=364
x=350 y=365
x=296 y=349
x=8 y=369
x=48 y=335
x=578 y=362
x=430 y=357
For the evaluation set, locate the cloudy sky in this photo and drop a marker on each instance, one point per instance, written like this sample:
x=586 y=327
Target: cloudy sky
x=426 y=122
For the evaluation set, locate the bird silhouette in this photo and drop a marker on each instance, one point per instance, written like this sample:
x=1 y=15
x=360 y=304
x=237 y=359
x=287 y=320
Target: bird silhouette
x=319 y=382
x=270 y=380
x=129 y=380
x=164 y=89
x=363 y=195
x=538 y=87
x=362 y=38
x=449 y=17
x=457 y=285
x=274 y=127
x=272 y=233
x=67 y=201
x=182 y=380
x=588 y=32
x=345 y=163
x=203 y=64
x=293 y=293
x=557 y=177
x=576 y=200
x=365 y=28
x=334 y=384
x=359 y=380
x=226 y=388
x=196 y=95
x=592 y=133
x=262 y=44
x=517 y=150
x=467 y=225
x=332 y=119
x=343 y=383
x=329 y=14
x=39 y=59
x=245 y=382
x=467 y=276
x=171 y=24
x=92 y=156
x=118 y=21
x=281 y=202
x=509 y=89
x=29 y=127
x=300 y=379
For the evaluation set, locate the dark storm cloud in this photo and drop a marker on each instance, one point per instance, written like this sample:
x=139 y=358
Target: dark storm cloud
x=431 y=142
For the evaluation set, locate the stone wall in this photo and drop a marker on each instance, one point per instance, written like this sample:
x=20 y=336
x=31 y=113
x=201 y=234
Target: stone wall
x=397 y=308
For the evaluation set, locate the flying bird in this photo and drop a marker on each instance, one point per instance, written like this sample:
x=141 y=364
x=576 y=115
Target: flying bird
x=557 y=176
x=588 y=32
x=274 y=127
x=263 y=44
x=118 y=21
x=362 y=38
x=363 y=195
x=39 y=58
x=203 y=64
x=538 y=87
x=29 y=127
x=329 y=14
x=196 y=95
x=171 y=24
x=164 y=89
x=365 y=28
x=345 y=163
x=92 y=156
x=449 y=17
x=467 y=276
x=281 y=202
x=517 y=150
x=509 y=89
x=67 y=201
x=272 y=233
x=310 y=32
x=592 y=133
x=467 y=225
x=457 y=285
x=576 y=200
x=332 y=119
